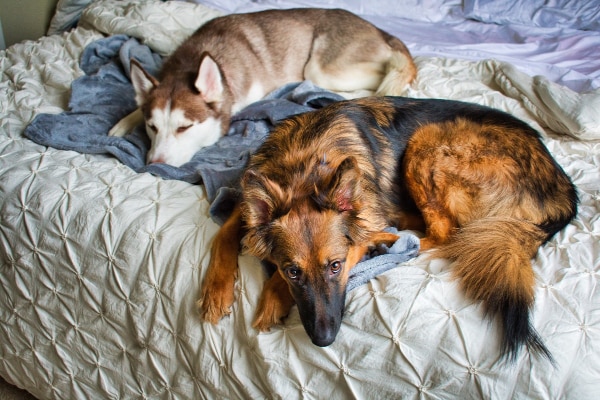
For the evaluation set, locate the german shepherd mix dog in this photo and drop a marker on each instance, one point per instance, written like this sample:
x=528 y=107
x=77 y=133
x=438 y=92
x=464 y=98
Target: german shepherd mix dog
x=324 y=185
x=235 y=60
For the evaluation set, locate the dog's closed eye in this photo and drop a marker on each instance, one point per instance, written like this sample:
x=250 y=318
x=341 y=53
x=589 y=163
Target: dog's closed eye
x=182 y=129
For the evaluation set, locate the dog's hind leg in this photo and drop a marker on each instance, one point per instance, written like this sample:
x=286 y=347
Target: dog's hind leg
x=352 y=82
x=345 y=71
x=274 y=304
x=435 y=219
x=217 y=294
x=439 y=223
x=438 y=231
x=365 y=66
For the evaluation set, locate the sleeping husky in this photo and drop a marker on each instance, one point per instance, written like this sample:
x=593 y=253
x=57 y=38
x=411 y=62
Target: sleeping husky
x=237 y=59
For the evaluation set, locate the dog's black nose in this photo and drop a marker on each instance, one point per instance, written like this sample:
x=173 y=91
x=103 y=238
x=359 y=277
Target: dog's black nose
x=325 y=332
x=324 y=339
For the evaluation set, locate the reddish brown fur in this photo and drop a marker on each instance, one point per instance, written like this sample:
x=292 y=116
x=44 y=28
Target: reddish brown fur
x=471 y=195
x=217 y=290
x=464 y=185
x=324 y=186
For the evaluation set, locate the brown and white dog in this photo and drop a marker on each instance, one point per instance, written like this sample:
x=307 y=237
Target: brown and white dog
x=319 y=192
x=237 y=59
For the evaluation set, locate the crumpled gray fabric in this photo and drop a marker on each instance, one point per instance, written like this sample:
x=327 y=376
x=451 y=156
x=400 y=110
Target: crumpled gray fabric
x=384 y=258
x=99 y=99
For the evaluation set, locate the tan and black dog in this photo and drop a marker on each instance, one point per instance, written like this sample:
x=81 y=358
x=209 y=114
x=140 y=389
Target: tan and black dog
x=321 y=189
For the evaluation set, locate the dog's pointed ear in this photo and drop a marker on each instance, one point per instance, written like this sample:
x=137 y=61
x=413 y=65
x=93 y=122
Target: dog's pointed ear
x=262 y=201
x=209 y=81
x=142 y=82
x=261 y=197
x=344 y=194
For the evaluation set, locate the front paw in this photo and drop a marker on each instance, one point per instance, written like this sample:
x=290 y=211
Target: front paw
x=269 y=315
x=217 y=298
x=274 y=304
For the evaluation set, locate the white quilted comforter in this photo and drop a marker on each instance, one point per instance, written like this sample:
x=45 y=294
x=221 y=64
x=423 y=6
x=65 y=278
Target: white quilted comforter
x=100 y=267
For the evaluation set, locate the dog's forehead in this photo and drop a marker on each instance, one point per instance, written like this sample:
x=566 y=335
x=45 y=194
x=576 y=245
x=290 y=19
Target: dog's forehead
x=194 y=105
x=178 y=97
x=163 y=117
x=311 y=237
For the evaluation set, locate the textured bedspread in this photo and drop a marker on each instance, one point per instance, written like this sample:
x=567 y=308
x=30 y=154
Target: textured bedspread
x=100 y=266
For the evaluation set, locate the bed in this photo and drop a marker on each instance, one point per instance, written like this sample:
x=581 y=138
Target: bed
x=101 y=264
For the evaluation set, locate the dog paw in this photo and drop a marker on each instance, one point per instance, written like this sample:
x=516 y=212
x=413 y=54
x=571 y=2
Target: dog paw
x=269 y=315
x=216 y=299
x=274 y=305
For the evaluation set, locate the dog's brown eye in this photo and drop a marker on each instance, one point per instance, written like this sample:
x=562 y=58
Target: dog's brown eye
x=182 y=129
x=293 y=272
x=335 y=267
x=152 y=127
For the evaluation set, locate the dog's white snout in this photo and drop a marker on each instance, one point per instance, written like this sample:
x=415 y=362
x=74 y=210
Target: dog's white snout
x=159 y=151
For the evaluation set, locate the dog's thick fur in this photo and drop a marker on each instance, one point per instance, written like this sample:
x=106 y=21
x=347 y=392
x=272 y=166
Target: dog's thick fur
x=319 y=192
x=237 y=59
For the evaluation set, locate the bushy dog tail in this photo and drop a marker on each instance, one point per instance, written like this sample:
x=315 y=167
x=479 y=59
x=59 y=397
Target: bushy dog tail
x=400 y=70
x=493 y=264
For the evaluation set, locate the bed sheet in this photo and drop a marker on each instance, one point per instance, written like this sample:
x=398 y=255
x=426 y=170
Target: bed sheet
x=100 y=266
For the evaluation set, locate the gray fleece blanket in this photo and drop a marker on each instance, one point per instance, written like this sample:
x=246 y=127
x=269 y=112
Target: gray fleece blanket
x=104 y=95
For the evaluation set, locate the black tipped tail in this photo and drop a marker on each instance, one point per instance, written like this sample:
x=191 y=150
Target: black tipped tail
x=517 y=328
x=493 y=263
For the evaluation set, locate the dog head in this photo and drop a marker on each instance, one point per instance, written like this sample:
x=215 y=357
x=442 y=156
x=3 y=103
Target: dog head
x=182 y=115
x=310 y=233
